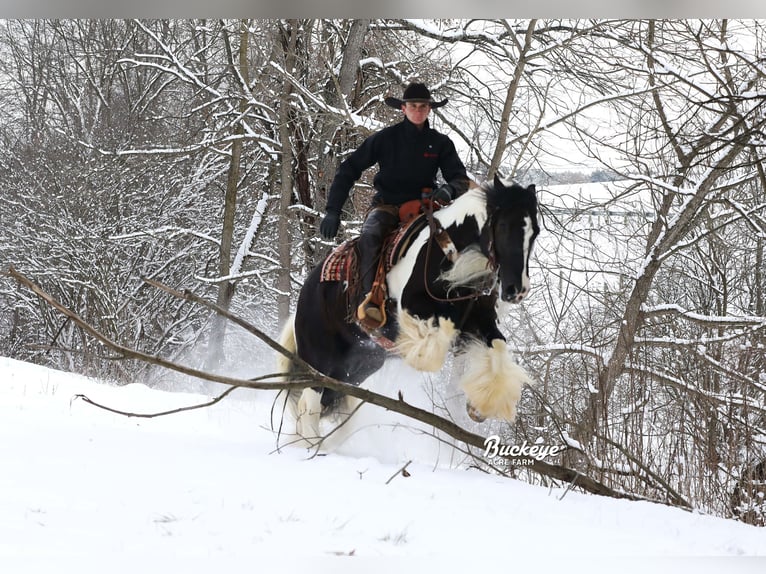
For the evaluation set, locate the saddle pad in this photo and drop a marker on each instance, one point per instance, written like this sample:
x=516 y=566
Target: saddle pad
x=400 y=240
x=340 y=263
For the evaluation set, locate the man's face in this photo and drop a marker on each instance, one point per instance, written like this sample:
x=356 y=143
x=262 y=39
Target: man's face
x=416 y=112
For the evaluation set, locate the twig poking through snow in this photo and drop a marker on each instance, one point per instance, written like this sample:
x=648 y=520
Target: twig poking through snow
x=402 y=471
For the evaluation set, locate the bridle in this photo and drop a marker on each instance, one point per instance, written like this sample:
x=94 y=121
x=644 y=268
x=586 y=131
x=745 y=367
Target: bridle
x=439 y=235
x=491 y=255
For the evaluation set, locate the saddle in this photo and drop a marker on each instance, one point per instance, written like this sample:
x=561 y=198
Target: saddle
x=342 y=264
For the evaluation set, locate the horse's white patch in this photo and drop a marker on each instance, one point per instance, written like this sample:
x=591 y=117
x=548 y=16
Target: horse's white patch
x=424 y=344
x=471 y=203
x=492 y=381
x=301 y=404
x=307 y=414
x=400 y=274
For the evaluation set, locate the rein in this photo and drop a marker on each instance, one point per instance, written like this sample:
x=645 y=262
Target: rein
x=440 y=235
x=491 y=257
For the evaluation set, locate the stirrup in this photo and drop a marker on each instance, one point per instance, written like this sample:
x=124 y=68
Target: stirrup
x=370 y=315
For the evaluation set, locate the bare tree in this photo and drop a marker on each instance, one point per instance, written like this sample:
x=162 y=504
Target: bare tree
x=239 y=69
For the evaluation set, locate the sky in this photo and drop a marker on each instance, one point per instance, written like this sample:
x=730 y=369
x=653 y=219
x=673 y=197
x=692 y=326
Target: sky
x=86 y=490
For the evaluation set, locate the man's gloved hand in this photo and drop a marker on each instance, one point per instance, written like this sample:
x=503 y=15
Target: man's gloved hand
x=443 y=193
x=330 y=224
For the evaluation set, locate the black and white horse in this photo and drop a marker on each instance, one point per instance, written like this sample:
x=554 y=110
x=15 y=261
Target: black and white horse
x=442 y=293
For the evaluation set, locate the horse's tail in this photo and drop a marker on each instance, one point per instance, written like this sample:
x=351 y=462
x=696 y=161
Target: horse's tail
x=286 y=398
x=303 y=405
x=287 y=340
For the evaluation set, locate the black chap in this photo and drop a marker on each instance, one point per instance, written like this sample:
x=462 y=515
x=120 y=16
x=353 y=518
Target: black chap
x=381 y=221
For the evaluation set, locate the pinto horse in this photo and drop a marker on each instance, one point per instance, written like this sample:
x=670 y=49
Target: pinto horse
x=442 y=293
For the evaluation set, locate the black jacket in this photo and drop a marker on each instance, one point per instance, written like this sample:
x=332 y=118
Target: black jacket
x=408 y=160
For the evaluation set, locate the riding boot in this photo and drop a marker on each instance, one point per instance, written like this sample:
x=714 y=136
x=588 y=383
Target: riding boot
x=379 y=223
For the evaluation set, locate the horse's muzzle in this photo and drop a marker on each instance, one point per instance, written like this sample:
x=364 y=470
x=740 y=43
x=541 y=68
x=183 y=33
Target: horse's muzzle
x=513 y=295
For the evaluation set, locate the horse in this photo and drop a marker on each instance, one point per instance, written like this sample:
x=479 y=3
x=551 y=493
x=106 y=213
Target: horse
x=442 y=293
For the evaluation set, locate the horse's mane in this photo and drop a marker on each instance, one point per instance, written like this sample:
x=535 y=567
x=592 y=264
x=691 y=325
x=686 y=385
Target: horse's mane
x=502 y=196
x=482 y=200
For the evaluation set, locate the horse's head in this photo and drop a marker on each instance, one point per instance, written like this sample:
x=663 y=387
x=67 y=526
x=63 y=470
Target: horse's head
x=509 y=234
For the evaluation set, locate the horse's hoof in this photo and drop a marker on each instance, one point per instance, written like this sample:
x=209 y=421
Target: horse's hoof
x=474 y=414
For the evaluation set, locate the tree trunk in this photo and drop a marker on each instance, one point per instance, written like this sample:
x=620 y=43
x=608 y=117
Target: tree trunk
x=226 y=287
x=335 y=93
x=290 y=35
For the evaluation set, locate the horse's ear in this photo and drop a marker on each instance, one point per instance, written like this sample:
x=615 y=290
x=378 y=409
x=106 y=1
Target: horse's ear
x=531 y=187
x=498 y=182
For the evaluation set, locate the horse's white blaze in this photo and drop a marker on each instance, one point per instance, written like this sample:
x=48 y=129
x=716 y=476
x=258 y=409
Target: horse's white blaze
x=492 y=381
x=307 y=415
x=528 y=233
x=424 y=344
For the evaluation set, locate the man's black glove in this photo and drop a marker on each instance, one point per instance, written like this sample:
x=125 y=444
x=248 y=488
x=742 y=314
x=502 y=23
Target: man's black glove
x=330 y=224
x=443 y=194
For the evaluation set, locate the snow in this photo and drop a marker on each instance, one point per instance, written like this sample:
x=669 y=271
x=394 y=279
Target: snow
x=86 y=490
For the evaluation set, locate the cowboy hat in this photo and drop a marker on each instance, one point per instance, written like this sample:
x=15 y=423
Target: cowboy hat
x=415 y=92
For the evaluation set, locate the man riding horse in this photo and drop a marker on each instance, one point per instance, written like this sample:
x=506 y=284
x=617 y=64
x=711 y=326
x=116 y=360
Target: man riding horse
x=409 y=154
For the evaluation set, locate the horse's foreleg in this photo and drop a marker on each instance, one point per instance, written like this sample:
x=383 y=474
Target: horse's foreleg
x=492 y=381
x=424 y=344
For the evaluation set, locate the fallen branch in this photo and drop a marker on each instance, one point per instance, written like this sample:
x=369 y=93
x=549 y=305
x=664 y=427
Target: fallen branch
x=305 y=377
x=204 y=405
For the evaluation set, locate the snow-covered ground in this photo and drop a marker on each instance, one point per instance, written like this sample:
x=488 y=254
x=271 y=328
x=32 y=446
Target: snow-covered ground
x=85 y=490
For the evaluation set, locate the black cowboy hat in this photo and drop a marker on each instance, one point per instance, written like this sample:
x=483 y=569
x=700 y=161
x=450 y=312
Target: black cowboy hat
x=415 y=92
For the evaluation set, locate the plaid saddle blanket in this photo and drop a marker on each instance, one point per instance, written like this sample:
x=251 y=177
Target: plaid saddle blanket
x=341 y=264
